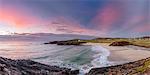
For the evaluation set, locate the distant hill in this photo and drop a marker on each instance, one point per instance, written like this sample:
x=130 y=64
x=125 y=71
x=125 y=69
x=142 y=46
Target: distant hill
x=43 y=37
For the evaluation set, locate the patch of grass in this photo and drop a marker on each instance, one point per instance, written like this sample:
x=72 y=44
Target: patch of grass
x=136 y=42
x=143 y=68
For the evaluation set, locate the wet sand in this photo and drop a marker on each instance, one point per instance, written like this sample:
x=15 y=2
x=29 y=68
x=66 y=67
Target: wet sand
x=126 y=53
x=123 y=54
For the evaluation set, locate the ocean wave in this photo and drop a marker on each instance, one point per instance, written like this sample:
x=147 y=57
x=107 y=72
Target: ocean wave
x=100 y=59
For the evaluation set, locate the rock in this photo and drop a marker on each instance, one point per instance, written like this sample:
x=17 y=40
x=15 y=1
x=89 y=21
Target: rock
x=67 y=42
x=120 y=43
x=70 y=43
x=53 y=42
x=140 y=67
x=28 y=67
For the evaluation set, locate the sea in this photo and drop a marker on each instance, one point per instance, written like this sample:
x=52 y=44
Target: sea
x=82 y=57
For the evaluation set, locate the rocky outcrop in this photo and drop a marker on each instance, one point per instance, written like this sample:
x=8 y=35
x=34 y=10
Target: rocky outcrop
x=120 y=43
x=28 y=67
x=53 y=42
x=68 y=42
x=141 y=67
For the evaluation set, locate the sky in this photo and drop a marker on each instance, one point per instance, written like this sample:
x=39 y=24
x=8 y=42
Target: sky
x=113 y=18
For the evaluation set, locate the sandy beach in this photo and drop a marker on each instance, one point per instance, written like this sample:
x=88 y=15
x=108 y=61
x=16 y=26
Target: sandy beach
x=122 y=54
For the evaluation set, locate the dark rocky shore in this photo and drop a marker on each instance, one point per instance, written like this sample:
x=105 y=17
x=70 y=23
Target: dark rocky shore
x=140 y=67
x=28 y=67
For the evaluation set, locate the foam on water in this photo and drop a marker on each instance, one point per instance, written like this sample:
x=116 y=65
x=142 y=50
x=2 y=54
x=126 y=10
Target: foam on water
x=63 y=56
x=100 y=59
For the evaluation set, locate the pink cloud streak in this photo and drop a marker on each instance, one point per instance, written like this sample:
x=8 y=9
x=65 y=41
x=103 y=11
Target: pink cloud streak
x=142 y=28
x=18 y=19
x=106 y=17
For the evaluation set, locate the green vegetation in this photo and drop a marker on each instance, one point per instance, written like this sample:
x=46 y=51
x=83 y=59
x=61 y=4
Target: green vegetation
x=142 y=69
x=135 y=42
x=141 y=42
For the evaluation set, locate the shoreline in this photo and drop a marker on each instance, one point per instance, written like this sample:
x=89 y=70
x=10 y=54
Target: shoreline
x=126 y=53
x=126 y=60
x=131 y=59
x=28 y=67
x=123 y=54
x=139 y=67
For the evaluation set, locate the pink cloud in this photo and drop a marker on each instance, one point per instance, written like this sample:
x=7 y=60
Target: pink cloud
x=22 y=20
x=133 y=21
x=18 y=18
x=142 y=28
x=106 y=17
x=65 y=25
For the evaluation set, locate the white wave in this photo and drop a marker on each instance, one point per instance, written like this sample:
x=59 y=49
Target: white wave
x=100 y=59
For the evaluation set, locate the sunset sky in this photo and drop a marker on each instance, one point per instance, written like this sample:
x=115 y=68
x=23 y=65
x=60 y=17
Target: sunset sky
x=123 y=18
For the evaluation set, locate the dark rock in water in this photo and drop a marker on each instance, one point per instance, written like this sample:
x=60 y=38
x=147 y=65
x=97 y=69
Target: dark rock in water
x=141 y=67
x=70 y=43
x=28 y=67
x=53 y=42
x=120 y=43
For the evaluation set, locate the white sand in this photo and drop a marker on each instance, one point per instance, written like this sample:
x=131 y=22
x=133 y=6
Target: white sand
x=124 y=53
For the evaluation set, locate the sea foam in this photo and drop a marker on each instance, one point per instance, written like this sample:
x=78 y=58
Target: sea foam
x=100 y=59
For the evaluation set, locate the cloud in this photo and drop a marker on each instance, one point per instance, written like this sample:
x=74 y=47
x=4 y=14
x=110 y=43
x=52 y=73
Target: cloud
x=106 y=17
x=70 y=26
x=142 y=28
x=18 y=18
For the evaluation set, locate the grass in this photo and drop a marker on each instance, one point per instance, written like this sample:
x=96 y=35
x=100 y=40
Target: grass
x=135 y=42
x=142 y=69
